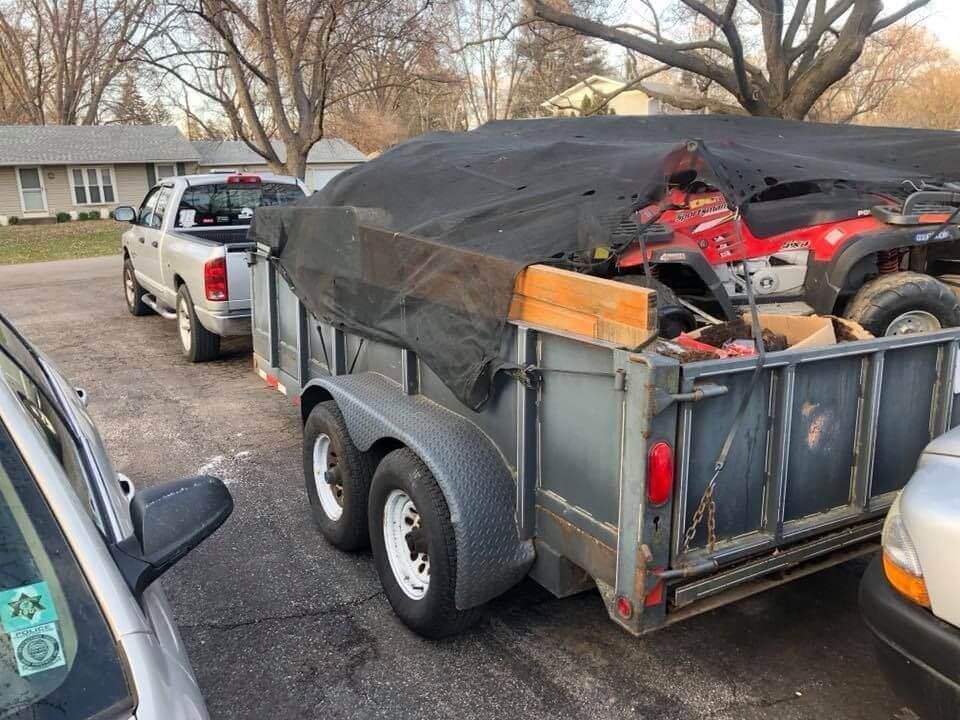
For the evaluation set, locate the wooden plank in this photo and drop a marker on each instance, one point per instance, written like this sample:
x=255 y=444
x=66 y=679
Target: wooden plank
x=605 y=310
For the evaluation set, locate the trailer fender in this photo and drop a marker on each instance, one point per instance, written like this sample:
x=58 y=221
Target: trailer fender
x=478 y=486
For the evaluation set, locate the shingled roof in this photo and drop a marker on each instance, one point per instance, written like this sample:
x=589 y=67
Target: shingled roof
x=68 y=144
x=235 y=152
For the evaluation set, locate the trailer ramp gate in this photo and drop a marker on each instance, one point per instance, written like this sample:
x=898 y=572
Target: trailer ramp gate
x=830 y=435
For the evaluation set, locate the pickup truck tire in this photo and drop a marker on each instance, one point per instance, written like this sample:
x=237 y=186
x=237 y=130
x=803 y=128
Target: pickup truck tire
x=339 y=509
x=198 y=343
x=904 y=302
x=133 y=292
x=414 y=548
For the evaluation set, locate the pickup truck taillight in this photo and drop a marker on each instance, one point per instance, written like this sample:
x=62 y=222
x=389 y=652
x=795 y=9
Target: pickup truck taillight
x=215 y=279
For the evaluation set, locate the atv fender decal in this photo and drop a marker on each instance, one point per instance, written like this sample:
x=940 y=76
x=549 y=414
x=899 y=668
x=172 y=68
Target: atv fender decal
x=927 y=236
x=796 y=245
x=701 y=212
x=713 y=223
x=834 y=236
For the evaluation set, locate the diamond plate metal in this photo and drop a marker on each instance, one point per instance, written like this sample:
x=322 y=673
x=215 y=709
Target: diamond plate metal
x=479 y=489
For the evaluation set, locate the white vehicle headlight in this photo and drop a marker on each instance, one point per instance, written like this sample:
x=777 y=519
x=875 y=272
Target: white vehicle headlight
x=901 y=564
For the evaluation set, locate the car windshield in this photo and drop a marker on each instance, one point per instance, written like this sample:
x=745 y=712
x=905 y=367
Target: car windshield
x=220 y=204
x=58 y=658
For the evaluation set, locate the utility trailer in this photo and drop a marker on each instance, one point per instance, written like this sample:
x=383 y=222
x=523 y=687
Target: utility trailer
x=589 y=465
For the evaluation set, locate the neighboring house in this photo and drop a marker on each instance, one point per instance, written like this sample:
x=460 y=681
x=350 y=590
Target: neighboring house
x=627 y=102
x=327 y=158
x=46 y=169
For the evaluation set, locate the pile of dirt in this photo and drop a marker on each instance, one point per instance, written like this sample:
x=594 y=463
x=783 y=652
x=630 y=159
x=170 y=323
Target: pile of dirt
x=719 y=335
x=843 y=331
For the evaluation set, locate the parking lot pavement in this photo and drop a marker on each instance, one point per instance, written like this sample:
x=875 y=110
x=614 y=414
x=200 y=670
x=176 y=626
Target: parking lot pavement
x=279 y=625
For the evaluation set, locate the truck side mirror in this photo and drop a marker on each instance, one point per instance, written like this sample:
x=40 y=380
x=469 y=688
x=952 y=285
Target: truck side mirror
x=124 y=213
x=169 y=520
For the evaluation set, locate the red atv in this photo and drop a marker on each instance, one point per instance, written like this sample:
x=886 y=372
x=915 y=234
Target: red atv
x=805 y=248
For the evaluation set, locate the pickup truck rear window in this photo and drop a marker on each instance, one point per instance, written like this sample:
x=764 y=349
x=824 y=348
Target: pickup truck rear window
x=220 y=204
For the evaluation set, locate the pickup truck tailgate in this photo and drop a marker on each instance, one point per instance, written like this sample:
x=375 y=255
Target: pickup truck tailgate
x=238 y=275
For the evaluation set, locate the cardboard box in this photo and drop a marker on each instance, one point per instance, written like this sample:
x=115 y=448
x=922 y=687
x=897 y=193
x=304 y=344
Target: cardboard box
x=801 y=331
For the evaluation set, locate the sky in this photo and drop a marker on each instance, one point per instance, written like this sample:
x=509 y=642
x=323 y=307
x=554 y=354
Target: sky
x=943 y=20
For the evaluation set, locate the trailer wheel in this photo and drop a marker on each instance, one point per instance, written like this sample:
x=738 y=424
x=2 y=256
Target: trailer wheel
x=132 y=291
x=414 y=547
x=904 y=303
x=337 y=476
x=197 y=343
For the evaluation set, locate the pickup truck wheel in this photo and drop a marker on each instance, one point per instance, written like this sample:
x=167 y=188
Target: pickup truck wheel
x=132 y=291
x=904 y=303
x=337 y=476
x=198 y=343
x=414 y=547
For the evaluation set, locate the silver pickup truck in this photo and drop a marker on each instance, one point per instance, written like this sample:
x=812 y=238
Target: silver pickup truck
x=184 y=255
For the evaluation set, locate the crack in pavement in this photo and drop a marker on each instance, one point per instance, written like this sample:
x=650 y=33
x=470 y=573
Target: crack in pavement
x=319 y=612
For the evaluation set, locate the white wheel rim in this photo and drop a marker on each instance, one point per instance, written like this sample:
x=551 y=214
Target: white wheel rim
x=913 y=322
x=330 y=494
x=183 y=324
x=411 y=569
x=129 y=287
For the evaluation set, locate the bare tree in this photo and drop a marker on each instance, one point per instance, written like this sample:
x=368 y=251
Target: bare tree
x=413 y=88
x=932 y=100
x=58 y=58
x=806 y=45
x=891 y=61
x=276 y=67
x=486 y=50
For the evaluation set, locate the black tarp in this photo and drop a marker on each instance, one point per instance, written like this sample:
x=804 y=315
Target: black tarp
x=421 y=246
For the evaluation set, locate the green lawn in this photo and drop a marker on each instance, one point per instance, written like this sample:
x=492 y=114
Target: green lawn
x=76 y=239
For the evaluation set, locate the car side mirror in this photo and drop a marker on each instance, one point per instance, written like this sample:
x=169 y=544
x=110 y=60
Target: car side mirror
x=169 y=520
x=125 y=213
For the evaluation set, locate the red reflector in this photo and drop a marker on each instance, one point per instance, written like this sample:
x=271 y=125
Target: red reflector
x=655 y=596
x=659 y=474
x=624 y=608
x=215 y=279
x=243 y=180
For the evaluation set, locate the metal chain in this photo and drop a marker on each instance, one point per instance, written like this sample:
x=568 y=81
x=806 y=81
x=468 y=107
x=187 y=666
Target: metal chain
x=709 y=507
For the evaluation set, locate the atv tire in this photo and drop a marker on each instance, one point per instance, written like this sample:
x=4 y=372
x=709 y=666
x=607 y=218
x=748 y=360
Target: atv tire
x=902 y=303
x=672 y=317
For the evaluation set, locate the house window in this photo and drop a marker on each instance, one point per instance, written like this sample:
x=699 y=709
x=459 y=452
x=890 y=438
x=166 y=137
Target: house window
x=165 y=170
x=32 y=197
x=92 y=186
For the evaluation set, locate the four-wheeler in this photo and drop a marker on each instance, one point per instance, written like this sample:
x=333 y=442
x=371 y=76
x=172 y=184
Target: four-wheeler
x=883 y=258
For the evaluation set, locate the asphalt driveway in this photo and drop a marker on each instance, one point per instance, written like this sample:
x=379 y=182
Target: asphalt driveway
x=279 y=625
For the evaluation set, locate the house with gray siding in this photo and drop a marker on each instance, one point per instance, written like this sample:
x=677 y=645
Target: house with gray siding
x=51 y=168
x=327 y=158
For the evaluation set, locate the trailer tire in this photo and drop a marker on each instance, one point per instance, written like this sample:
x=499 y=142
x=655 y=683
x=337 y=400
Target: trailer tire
x=404 y=494
x=904 y=302
x=133 y=291
x=340 y=510
x=197 y=343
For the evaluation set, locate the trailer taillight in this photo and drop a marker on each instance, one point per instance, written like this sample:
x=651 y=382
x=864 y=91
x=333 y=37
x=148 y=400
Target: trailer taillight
x=215 y=279
x=659 y=473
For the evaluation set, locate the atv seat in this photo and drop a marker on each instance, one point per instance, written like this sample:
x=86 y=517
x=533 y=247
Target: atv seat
x=774 y=217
